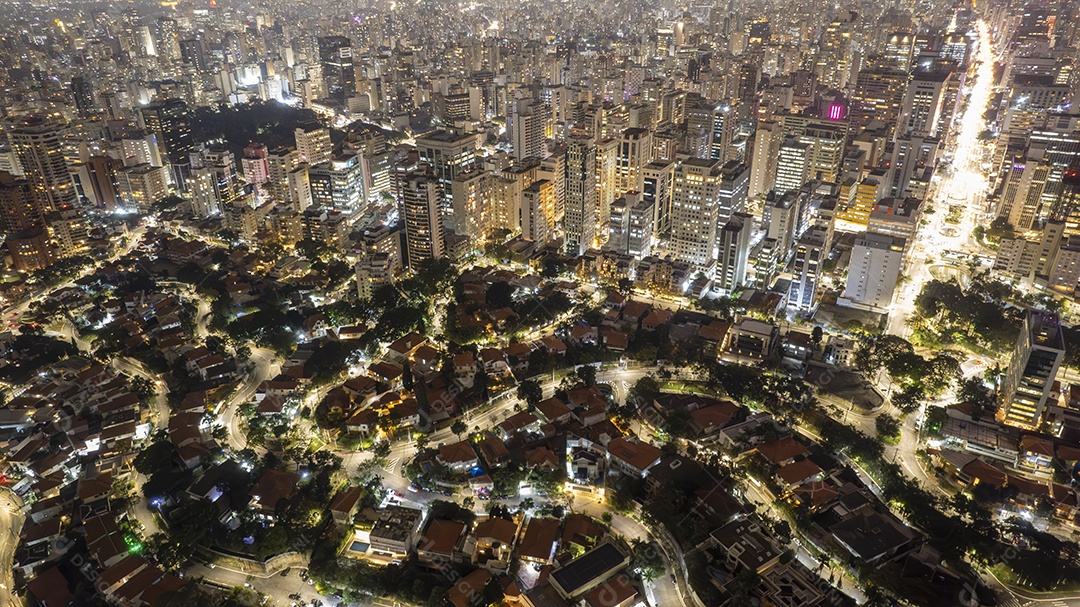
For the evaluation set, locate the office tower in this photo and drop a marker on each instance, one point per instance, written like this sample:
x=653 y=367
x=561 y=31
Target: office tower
x=875 y=267
x=1032 y=370
x=913 y=159
x=142 y=150
x=449 y=154
x=1065 y=274
x=298 y=188
x=899 y=49
x=579 y=222
x=335 y=56
x=779 y=218
x=313 y=143
x=1059 y=136
x=619 y=223
x=95 y=180
x=255 y=166
x=527 y=121
x=810 y=251
x=471 y=194
x=338 y=184
x=826 y=150
x=38 y=144
x=419 y=203
x=538 y=212
x=699 y=128
x=878 y=95
x=724 y=121
x=694 y=203
x=857 y=198
x=192 y=53
x=792 y=166
x=833 y=64
x=83 y=94
x=767 y=140
x=657 y=183
x=635 y=151
x=731 y=198
x=924 y=104
x=19 y=210
x=1021 y=195
x=141 y=186
x=733 y=253
x=170 y=122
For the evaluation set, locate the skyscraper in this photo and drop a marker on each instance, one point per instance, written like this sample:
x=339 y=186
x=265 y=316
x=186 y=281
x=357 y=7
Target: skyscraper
x=1025 y=390
x=335 y=55
x=37 y=143
x=580 y=219
x=19 y=210
x=694 y=210
x=419 y=200
x=170 y=121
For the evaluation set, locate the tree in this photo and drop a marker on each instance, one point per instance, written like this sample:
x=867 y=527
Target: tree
x=647 y=559
x=586 y=375
x=530 y=392
x=817 y=334
x=459 y=428
x=647 y=389
x=381 y=449
x=888 y=428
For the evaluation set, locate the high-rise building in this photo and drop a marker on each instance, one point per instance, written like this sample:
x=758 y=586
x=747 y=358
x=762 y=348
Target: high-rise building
x=255 y=166
x=83 y=94
x=924 y=104
x=338 y=184
x=724 y=122
x=899 y=49
x=1021 y=196
x=38 y=144
x=657 y=183
x=449 y=154
x=30 y=250
x=694 y=203
x=635 y=151
x=767 y=140
x=313 y=143
x=1032 y=370
x=792 y=166
x=141 y=186
x=528 y=121
x=471 y=197
x=419 y=201
x=878 y=95
x=279 y=163
x=538 y=212
x=874 y=271
x=806 y=267
x=731 y=198
x=339 y=75
x=733 y=245
x=95 y=181
x=169 y=120
x=579 y=222
x=19 y=210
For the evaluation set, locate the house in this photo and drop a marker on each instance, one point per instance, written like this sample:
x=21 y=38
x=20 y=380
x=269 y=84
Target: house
x=580 y=530
x=459 y=456
x=518 y=422
x=493 y=450
x=394 y=532
x=494 y=539
x=554 y=410
x=754 y=339
x=554 y=345
x=709 y=419
x=782 y=451
x=632 y=458
x=537 y=544
x=425 y=359
x=465 y=365
x=798 y=345
x=633 y=313
x=440 y=544
x=362 y=422
x=615 y=340
x=387 y=374
x=272 y=488
x=343 y=506
x=586 y=466
x=469 y=590
x=494 y=362
x=50 y=588
x=403 y=347
x=656 y=318
x=746 y=546
x=584 y=334
x=616 y=592
x=360 y=387
x=871 y=536
x=796 y=473
x=589 y=570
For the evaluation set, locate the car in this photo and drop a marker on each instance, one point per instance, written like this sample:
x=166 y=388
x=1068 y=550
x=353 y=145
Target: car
x=286 y=571
x=414 y=487
x=295 y=596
